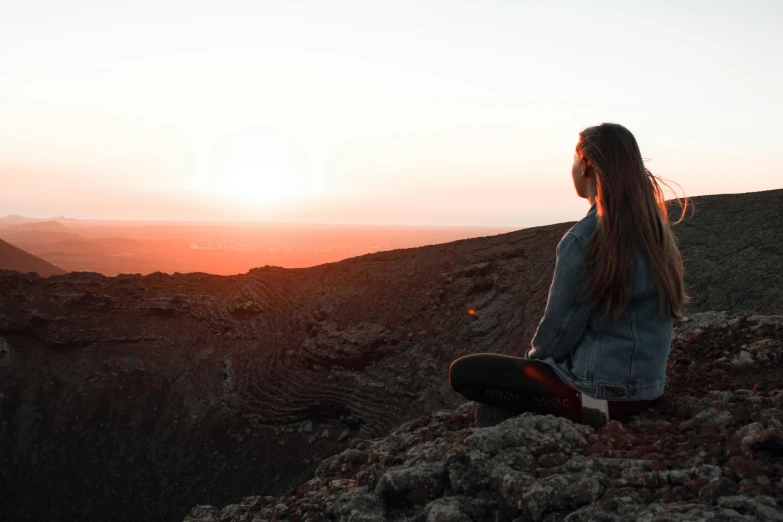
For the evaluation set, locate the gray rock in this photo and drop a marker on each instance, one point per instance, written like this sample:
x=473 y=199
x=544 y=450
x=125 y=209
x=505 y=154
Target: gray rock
x=761 y=507
x=717 y=488
x=743 y=358
x=400 y=487
x=770 y=418
x=445 y=510
x=708 y=417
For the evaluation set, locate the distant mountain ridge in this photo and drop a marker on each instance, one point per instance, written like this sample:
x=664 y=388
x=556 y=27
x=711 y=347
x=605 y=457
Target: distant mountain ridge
x=129 y=247
x=169 y=391
x=55 y=241
x=43 y=226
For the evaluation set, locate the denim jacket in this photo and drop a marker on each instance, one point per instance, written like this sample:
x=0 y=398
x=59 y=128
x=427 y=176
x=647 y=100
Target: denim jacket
x=624 y=361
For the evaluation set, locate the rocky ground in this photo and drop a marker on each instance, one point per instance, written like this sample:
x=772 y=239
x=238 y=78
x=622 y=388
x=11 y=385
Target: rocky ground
x=710 y=449
x=137 y=397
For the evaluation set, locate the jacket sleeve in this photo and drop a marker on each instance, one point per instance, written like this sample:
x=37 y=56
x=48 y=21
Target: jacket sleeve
x=567 y=307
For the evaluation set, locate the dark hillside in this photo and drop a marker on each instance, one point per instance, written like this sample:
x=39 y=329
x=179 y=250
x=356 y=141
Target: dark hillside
x=136 y=398
x=13 y=258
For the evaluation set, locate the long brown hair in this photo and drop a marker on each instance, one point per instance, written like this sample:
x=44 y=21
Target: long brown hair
x=632 y=217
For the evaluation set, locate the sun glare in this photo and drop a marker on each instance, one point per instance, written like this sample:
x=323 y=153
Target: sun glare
x=258 y=169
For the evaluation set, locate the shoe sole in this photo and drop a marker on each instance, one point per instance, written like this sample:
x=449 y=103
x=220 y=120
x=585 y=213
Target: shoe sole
x=514 y=383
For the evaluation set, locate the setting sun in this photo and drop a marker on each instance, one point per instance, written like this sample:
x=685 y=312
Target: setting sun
x=256 y=169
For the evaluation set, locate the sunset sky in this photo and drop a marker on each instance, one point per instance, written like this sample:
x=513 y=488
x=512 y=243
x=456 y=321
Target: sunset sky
x=396 y=112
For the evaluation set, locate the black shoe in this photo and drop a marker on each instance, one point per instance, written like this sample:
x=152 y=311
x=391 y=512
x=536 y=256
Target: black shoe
x=514 y=384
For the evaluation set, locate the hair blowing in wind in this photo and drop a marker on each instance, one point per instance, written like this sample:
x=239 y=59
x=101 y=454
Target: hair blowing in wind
x=633 y=218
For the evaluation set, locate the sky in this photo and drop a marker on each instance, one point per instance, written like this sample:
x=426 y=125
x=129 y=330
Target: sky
x=415 y=112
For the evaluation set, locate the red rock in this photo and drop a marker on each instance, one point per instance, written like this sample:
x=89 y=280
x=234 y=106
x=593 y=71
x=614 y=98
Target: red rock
x=551 y=460
x=743 y=468
x=418 y=423
x=770 y=440
x=544 y=472
x=643 y=451
x=302 y=489
x=657 y=466
x=747 y=489
x=684 y=412
x=613 y=428
x=708 y=431
x=458 y=422
x=697 y=485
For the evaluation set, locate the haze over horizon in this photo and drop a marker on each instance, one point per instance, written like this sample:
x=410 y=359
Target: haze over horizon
x=444 y=113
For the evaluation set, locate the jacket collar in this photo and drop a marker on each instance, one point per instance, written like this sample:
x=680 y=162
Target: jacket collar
x=593 y=210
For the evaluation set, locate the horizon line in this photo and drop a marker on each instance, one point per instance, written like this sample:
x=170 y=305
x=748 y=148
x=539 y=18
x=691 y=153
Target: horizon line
x=239 y=222
x=232 y=222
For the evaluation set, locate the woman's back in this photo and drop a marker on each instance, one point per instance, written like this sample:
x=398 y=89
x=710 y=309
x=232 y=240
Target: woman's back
x=604 y=358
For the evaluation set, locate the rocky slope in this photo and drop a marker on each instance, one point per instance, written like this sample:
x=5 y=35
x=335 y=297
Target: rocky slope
x=134 y=397
x=710 y=449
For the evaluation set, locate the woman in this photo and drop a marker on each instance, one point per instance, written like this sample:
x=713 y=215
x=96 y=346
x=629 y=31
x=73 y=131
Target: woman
x=600 y=350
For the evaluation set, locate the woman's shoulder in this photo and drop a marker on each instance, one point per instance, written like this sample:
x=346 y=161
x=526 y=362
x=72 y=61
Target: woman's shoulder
x=584 y=228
